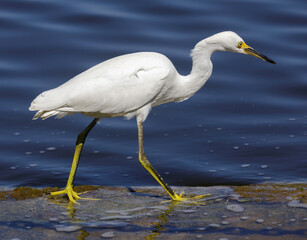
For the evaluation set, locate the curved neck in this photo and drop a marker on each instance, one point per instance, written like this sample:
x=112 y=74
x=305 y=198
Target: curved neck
x=201 y=54
x=201 y=66
x=201 y=57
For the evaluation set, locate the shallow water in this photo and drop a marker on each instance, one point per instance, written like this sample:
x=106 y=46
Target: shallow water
x=246 y=125
x=268 y=211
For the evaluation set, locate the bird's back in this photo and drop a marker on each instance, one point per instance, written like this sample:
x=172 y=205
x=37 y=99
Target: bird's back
x=115 y=87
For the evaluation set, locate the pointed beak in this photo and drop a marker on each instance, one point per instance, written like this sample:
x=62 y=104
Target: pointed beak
x=250 y=51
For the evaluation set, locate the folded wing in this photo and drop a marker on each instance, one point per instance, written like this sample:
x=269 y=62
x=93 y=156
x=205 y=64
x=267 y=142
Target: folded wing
x=114 y=87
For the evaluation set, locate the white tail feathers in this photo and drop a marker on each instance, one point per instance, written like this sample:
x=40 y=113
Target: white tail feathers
x=46 y=114
x=49 y=100
x=49 y=103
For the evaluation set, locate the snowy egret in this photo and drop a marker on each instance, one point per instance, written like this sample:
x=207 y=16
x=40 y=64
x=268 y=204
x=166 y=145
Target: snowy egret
x=130 y=85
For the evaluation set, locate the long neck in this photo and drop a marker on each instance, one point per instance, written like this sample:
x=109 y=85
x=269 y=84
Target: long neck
x=201 y=57
x=201 y=68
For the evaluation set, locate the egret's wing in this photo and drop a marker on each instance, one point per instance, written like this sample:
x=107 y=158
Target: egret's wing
x=116 y=86
x=120 y=95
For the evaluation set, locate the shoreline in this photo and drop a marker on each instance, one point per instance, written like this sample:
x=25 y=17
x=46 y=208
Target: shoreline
x=260 y=211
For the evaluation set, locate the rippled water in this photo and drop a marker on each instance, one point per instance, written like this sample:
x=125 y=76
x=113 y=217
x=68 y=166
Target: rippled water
x=246 y=125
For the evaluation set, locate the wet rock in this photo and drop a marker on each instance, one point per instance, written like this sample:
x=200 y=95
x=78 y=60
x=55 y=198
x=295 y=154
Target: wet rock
x=53 y=220
x=260 y=220
x=189 y=211
x=64 y=213
x=108 y=235
x=297 y=204
x=116 y=210
x=214 y=225
x=235 y=208
x=159 y=207
x=201 y=229
x=100 y=224
x=65 y=228
x=116 y=217
x=126 y=211
x=219 y=200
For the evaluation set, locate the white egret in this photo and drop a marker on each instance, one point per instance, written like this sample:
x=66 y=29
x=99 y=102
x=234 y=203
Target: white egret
x=130 y=85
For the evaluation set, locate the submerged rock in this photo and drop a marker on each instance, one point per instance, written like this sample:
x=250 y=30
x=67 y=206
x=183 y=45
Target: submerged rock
x=297 y=204
x=235 y=208
x=108 y=235
x=108 y=224
x=214 y=225
x=116 y=217
x=65 y=228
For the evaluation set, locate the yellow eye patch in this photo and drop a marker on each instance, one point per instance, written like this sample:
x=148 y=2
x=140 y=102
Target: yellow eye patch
x=240 y=44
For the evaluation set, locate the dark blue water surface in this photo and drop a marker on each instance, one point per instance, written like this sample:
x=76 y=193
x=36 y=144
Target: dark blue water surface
x=248 y=124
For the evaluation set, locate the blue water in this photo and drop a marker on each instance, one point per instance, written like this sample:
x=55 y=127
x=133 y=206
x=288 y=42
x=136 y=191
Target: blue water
x=248 y=124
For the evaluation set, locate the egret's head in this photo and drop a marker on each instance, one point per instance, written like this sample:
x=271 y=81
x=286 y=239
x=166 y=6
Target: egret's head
x=238 y=45
x=230 y=41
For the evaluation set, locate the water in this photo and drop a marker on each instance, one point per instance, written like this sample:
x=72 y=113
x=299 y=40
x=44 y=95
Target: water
x=250 y=113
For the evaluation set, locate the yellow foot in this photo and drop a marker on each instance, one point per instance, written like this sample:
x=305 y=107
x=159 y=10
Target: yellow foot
x=72 y=195
x=193 y=200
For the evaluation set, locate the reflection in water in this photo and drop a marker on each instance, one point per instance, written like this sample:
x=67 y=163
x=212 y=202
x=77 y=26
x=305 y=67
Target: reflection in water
x=159 y=226
x=83 y=234
x=71 y=213
x=69 y=207
x=163 y=219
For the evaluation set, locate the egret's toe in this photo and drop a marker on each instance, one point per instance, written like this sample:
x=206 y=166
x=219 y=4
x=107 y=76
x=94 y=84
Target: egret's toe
x=193 y=200
x=71 y=194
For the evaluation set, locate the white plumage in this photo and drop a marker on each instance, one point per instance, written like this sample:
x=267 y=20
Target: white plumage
x=120 y=86
x=130 y=85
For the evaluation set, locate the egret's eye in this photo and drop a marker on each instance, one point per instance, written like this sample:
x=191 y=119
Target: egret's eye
x=240 y=44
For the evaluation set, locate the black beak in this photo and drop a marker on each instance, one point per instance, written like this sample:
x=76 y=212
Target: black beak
x=253 y=52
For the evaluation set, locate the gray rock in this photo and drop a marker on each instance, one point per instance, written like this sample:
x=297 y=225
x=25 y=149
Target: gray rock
x=235 y=208
x=108 y=235
x=297 y=204
x=65 y=228
x=214 y=225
